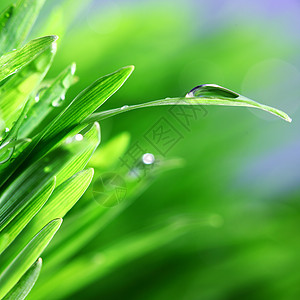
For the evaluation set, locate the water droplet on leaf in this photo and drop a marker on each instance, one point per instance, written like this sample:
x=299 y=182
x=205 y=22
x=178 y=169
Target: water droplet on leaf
x=5 y=154
x=148 y=158
x=59 y=101
x=78 y=137
x=211 y=91
x=124 y=107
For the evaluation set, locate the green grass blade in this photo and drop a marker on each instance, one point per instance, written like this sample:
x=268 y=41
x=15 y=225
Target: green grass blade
x=63 y=199
x=16 y=22
x=67 y=122
x=15 y=91
x=11 y=231
x=82 y=106
x=14 y=61
x=47 y=107
x=63 y=163
x=216 y=96
x=27 y=257
x=26 y=283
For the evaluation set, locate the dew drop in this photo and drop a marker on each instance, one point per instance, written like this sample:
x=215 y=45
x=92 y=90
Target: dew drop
x=78 y=137
x=7 y=15
x=211 y=91
x=124 y=107
x=6 y=129
x=5 y=152
x=59 y=101
x=148 y=158
x=5 y=155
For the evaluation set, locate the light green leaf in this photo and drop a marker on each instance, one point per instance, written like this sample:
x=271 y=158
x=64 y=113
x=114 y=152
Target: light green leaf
x=63 y=199
x=68 y=122
x=48 y=101
x=23 y=218
x=81 y=107
x=16 y=90
x=26 y=283
x=207 y=94
x=63 y=162
x=16 y=22
x=27 y=257
x=14 y=61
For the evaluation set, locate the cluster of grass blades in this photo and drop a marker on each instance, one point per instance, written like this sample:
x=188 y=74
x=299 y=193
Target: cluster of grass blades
x=46 y=144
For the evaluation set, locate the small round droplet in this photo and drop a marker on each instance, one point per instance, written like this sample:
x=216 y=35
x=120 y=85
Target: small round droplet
x=124 y=107
x=148 y=158
x=47 y=169
x=58 y=102
x=78 y=137
x=6 y=129
x=7 y=15
x=5 y=154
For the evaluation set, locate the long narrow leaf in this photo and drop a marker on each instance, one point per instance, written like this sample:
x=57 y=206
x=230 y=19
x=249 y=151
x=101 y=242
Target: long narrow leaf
x=23 y=218
x=82 y=106
x=16 y=23
x=217 y=95
x=12 y=62
x=26 y=283
x=27 y=257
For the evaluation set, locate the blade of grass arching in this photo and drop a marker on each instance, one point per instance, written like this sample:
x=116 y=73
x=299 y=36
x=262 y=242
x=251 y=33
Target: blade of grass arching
x=11 y=231
x=49 y=101
x=207 y=94
x=12 y=274
x=15 y=91
x=63 y=162
x=26 y=283
x=17 y=21
x=14 y=61
x=84 y=270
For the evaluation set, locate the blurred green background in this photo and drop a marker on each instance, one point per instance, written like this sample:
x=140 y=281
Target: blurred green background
x=241 y=167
